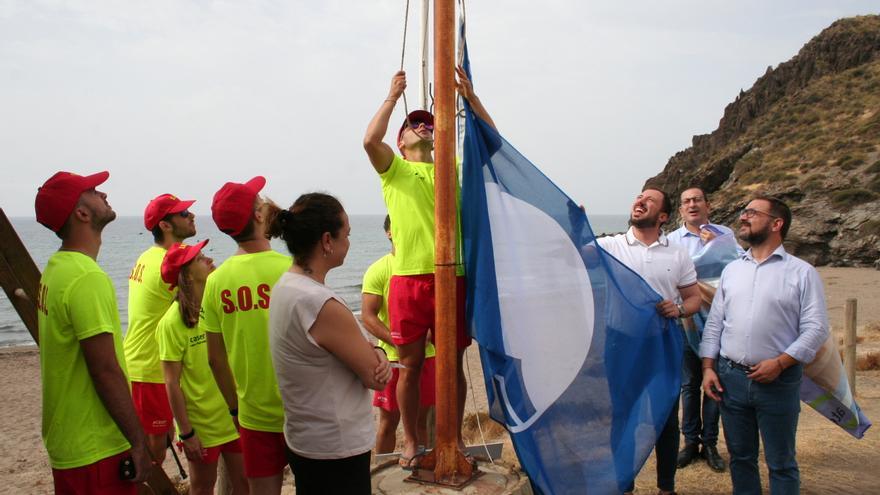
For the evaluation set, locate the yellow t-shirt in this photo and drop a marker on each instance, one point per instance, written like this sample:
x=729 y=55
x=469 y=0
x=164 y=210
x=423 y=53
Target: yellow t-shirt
x=408 y=190
x=148 y=299
x=205 y=407
x=236 y=304
x=76 y=301
x=377 y=281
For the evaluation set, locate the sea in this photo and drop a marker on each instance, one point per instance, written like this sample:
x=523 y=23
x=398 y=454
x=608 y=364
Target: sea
x=125 y=239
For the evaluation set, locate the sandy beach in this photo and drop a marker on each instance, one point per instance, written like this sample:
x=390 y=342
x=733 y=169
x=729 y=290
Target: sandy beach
x=831 y=461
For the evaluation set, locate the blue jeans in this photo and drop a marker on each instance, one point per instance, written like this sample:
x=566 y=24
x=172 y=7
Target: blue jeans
x=771 y=409
x=666 y=450
x=696 y=429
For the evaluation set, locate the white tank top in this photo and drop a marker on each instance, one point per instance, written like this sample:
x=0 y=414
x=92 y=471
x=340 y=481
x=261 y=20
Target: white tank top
x=327 y=410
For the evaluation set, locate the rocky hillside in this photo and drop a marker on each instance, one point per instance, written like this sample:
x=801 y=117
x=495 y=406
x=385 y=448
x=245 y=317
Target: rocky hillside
x=808 y=131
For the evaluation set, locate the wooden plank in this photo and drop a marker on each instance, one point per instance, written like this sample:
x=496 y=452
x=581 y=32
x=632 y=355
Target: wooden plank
x=19 y=275
x=849 y=343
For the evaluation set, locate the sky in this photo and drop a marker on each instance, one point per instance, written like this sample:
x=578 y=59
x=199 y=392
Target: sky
x=181 y=96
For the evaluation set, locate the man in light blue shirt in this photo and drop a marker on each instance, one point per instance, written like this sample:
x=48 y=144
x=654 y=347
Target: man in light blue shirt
x=696 y=229
x=767 y=321
x=698 y=429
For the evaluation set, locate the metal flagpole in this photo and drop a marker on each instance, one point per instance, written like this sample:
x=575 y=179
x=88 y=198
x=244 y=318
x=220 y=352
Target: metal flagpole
x=449 y=465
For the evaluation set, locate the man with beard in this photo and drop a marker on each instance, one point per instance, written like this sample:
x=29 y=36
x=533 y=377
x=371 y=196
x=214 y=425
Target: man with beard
x=697 y=429
x=89 y=423
x=767 y=320
x=170 y=221
x=668 y=269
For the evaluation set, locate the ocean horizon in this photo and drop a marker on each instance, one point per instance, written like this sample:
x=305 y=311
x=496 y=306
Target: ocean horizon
x=126 y=238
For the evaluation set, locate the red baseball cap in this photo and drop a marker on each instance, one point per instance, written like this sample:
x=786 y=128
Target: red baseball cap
x=58 y=196
x=178 y=255
x=233 y=205
x=414 y=118
x=161 y=206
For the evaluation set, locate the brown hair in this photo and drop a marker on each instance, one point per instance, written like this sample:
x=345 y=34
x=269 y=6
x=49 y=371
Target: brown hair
x=189 y=308
x=273 y=229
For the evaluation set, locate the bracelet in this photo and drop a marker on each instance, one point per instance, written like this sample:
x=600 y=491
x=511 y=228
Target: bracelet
x=233 y=412
x=187 y=436
x=392 y=100
x=381 y=349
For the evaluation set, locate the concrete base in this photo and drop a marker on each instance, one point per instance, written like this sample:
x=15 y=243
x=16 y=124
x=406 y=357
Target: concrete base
x=390 y=479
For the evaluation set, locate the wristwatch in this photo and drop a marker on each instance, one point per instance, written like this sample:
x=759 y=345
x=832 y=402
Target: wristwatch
x=681 y=312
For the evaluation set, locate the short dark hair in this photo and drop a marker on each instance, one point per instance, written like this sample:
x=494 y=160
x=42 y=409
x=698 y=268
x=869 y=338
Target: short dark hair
x=386 y=225
x=666 y=205
x=305 y=222
x=158 y=235
x=778 y=209
x=698 y=188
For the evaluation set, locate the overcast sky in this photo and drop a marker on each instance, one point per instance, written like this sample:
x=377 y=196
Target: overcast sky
x=180 y=96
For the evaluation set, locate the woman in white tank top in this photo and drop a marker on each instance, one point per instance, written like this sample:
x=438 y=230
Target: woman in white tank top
x=323 y=361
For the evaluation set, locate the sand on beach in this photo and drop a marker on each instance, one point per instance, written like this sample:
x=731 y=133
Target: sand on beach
x=831 y=461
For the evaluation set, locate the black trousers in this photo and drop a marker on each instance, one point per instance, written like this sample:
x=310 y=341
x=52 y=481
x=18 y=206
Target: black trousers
x=349 y=475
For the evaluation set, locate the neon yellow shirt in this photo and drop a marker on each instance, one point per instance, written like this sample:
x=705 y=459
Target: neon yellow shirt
x=76 y=301
x=377 y=281
x=408 y=189
x=205 y=407
x=148 y=299
x=236 y=304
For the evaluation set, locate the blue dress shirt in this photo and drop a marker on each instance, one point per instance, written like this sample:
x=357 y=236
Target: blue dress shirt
x=692 y=242
x=764 y=309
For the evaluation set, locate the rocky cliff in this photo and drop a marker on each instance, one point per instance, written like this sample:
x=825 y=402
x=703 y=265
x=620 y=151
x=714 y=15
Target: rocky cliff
x=807 y=131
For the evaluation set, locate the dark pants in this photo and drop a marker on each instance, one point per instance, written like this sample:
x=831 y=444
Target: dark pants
x=349 y=475
x=771 y=409
x=666 y=450
x=696 y=429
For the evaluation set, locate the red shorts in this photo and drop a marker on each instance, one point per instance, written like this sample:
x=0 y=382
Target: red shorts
x=99 y=478
x=152 y=406
x=387 y=399
x=210 y=455
x=411 y=309
x=264 y=452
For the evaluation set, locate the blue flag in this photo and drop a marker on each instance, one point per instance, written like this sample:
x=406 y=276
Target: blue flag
x=578 y=364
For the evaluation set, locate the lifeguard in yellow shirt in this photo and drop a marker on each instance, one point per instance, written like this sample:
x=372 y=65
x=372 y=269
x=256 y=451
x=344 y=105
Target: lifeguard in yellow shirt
x=170 y=221
x=89 y=423
x=236 y=322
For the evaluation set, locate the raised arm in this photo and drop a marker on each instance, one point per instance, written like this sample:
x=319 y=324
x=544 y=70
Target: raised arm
x=379 y=152
x=466 y=90
x=112 y=387
x=336 y=330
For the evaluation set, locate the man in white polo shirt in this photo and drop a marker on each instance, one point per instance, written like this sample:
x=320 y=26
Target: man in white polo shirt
x=668 y=269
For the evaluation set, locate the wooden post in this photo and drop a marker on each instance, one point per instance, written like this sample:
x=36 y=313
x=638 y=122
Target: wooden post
x=19 y=276
x=849 y=343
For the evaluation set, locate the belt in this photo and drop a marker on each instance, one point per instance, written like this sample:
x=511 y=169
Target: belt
x=735 y=365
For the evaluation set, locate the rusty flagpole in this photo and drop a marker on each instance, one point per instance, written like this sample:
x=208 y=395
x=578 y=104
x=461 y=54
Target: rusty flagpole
x=449 y=465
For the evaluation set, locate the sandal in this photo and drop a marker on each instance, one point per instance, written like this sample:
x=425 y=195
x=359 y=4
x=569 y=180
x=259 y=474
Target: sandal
x=410 y=463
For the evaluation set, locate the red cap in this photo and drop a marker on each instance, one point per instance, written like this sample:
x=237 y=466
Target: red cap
x=161 y=206
x=58 y=196
x=178 y=255
x=233 y=205
x=414 y=118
